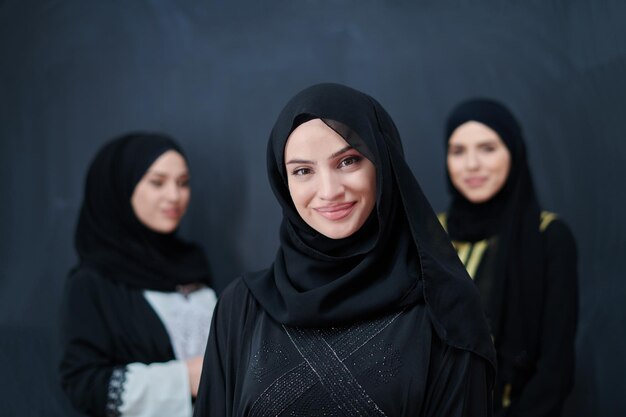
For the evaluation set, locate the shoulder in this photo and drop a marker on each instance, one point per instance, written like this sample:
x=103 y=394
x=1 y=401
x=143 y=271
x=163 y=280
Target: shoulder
x=83 y=280
x=554 y=228
x=90 y=285
x=443 y=219
x=237 y=289
x=558 y=236
x=236 y=301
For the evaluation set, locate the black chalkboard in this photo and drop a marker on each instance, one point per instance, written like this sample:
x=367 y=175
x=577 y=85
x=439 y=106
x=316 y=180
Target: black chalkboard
x=215 y=74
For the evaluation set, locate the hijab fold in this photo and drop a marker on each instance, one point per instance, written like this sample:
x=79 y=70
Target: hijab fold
x=110 y=238
x=400 y=257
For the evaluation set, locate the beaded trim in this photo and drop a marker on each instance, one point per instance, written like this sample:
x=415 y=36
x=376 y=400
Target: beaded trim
x=115 y=391
x=323 y=352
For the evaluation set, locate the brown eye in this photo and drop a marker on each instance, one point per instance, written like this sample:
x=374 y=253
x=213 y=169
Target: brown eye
x=351 y=160
x=488 y=148
x=156 y=183
x=300 y=172
x=455 y=150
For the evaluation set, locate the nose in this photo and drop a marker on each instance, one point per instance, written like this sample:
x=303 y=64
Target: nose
x=472 y=161
x=173 y=192
x=330 y=186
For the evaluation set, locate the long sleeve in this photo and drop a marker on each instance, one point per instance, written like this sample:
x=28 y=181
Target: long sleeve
x=86 y=368
x=459 y=384
x=117 y=358
x=546 y=391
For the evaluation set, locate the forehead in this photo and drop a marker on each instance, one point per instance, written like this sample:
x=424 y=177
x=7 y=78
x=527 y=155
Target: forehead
x=170 y=162
x=473 y=132
x=313 y=138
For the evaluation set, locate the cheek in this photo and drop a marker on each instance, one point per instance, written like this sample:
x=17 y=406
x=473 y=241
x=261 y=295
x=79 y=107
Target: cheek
x=454 y=169
x=185 y=197
x=300 y=193
x=500 y=166
x=371 y=188
x=141 y=202
x=362 y=185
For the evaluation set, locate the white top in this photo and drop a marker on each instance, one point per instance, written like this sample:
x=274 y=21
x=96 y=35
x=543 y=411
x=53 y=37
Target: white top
x=187 y=318
x=162 y=389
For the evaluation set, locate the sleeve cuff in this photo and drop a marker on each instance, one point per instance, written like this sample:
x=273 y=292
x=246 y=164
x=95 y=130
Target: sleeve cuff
x=156 y=390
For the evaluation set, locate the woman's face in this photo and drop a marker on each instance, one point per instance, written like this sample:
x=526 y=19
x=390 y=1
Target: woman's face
x=161 y=197
x=478 y=161
x=332 y=185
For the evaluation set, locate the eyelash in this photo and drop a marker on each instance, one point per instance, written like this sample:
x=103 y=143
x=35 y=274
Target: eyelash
x=460 y=151
x=159 y=183
x=352 y=159
x=298 y=172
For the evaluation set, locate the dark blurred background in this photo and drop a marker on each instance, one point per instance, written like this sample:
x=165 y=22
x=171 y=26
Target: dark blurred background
x=214 y=75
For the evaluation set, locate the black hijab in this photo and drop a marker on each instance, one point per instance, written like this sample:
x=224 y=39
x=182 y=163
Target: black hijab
x=400 y=257
x=110 y=238
x=512 y=216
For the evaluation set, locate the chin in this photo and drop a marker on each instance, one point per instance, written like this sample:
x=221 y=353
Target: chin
x=339 y=234
x=165 y=228
x=478 y=198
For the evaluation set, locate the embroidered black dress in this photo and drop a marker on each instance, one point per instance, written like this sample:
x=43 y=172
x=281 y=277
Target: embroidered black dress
x=395 y=365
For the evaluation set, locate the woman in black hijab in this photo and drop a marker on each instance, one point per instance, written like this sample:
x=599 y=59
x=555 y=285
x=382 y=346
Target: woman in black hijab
x=366 y=309
x=523 y=260
x=137 y=307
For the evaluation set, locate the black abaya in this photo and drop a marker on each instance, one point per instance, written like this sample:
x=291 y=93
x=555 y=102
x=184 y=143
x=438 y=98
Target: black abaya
x=395 y=365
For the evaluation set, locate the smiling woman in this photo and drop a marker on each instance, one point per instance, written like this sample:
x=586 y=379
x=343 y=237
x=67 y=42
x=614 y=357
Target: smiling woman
x=522 y=260
x=137 y=308
x=366 y=309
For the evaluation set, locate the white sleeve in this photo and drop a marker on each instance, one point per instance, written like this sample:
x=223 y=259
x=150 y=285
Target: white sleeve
x=156 y=390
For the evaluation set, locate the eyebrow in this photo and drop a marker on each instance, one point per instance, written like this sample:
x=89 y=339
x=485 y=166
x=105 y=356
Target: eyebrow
x=483 y=142
x=163 y=174
x=334 y=155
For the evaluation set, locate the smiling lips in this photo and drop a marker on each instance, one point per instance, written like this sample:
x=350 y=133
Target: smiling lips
x=475 y=182
x=336 y=211
x=171 y=213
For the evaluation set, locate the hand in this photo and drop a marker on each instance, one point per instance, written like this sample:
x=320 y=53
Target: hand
x=194 y=369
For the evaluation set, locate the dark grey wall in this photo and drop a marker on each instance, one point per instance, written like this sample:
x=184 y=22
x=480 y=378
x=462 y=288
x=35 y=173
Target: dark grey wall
x=215 y=74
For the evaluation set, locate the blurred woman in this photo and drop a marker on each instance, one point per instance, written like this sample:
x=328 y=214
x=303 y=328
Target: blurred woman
x=366 y=309
x=137 y=307
x=522 y=259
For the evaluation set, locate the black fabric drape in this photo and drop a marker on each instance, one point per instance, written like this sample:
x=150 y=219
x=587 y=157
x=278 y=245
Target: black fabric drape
x=252 y=367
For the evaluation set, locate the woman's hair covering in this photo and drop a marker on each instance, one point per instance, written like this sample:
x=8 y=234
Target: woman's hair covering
x=512 y=216
x=400 y=257
x=110 y=238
